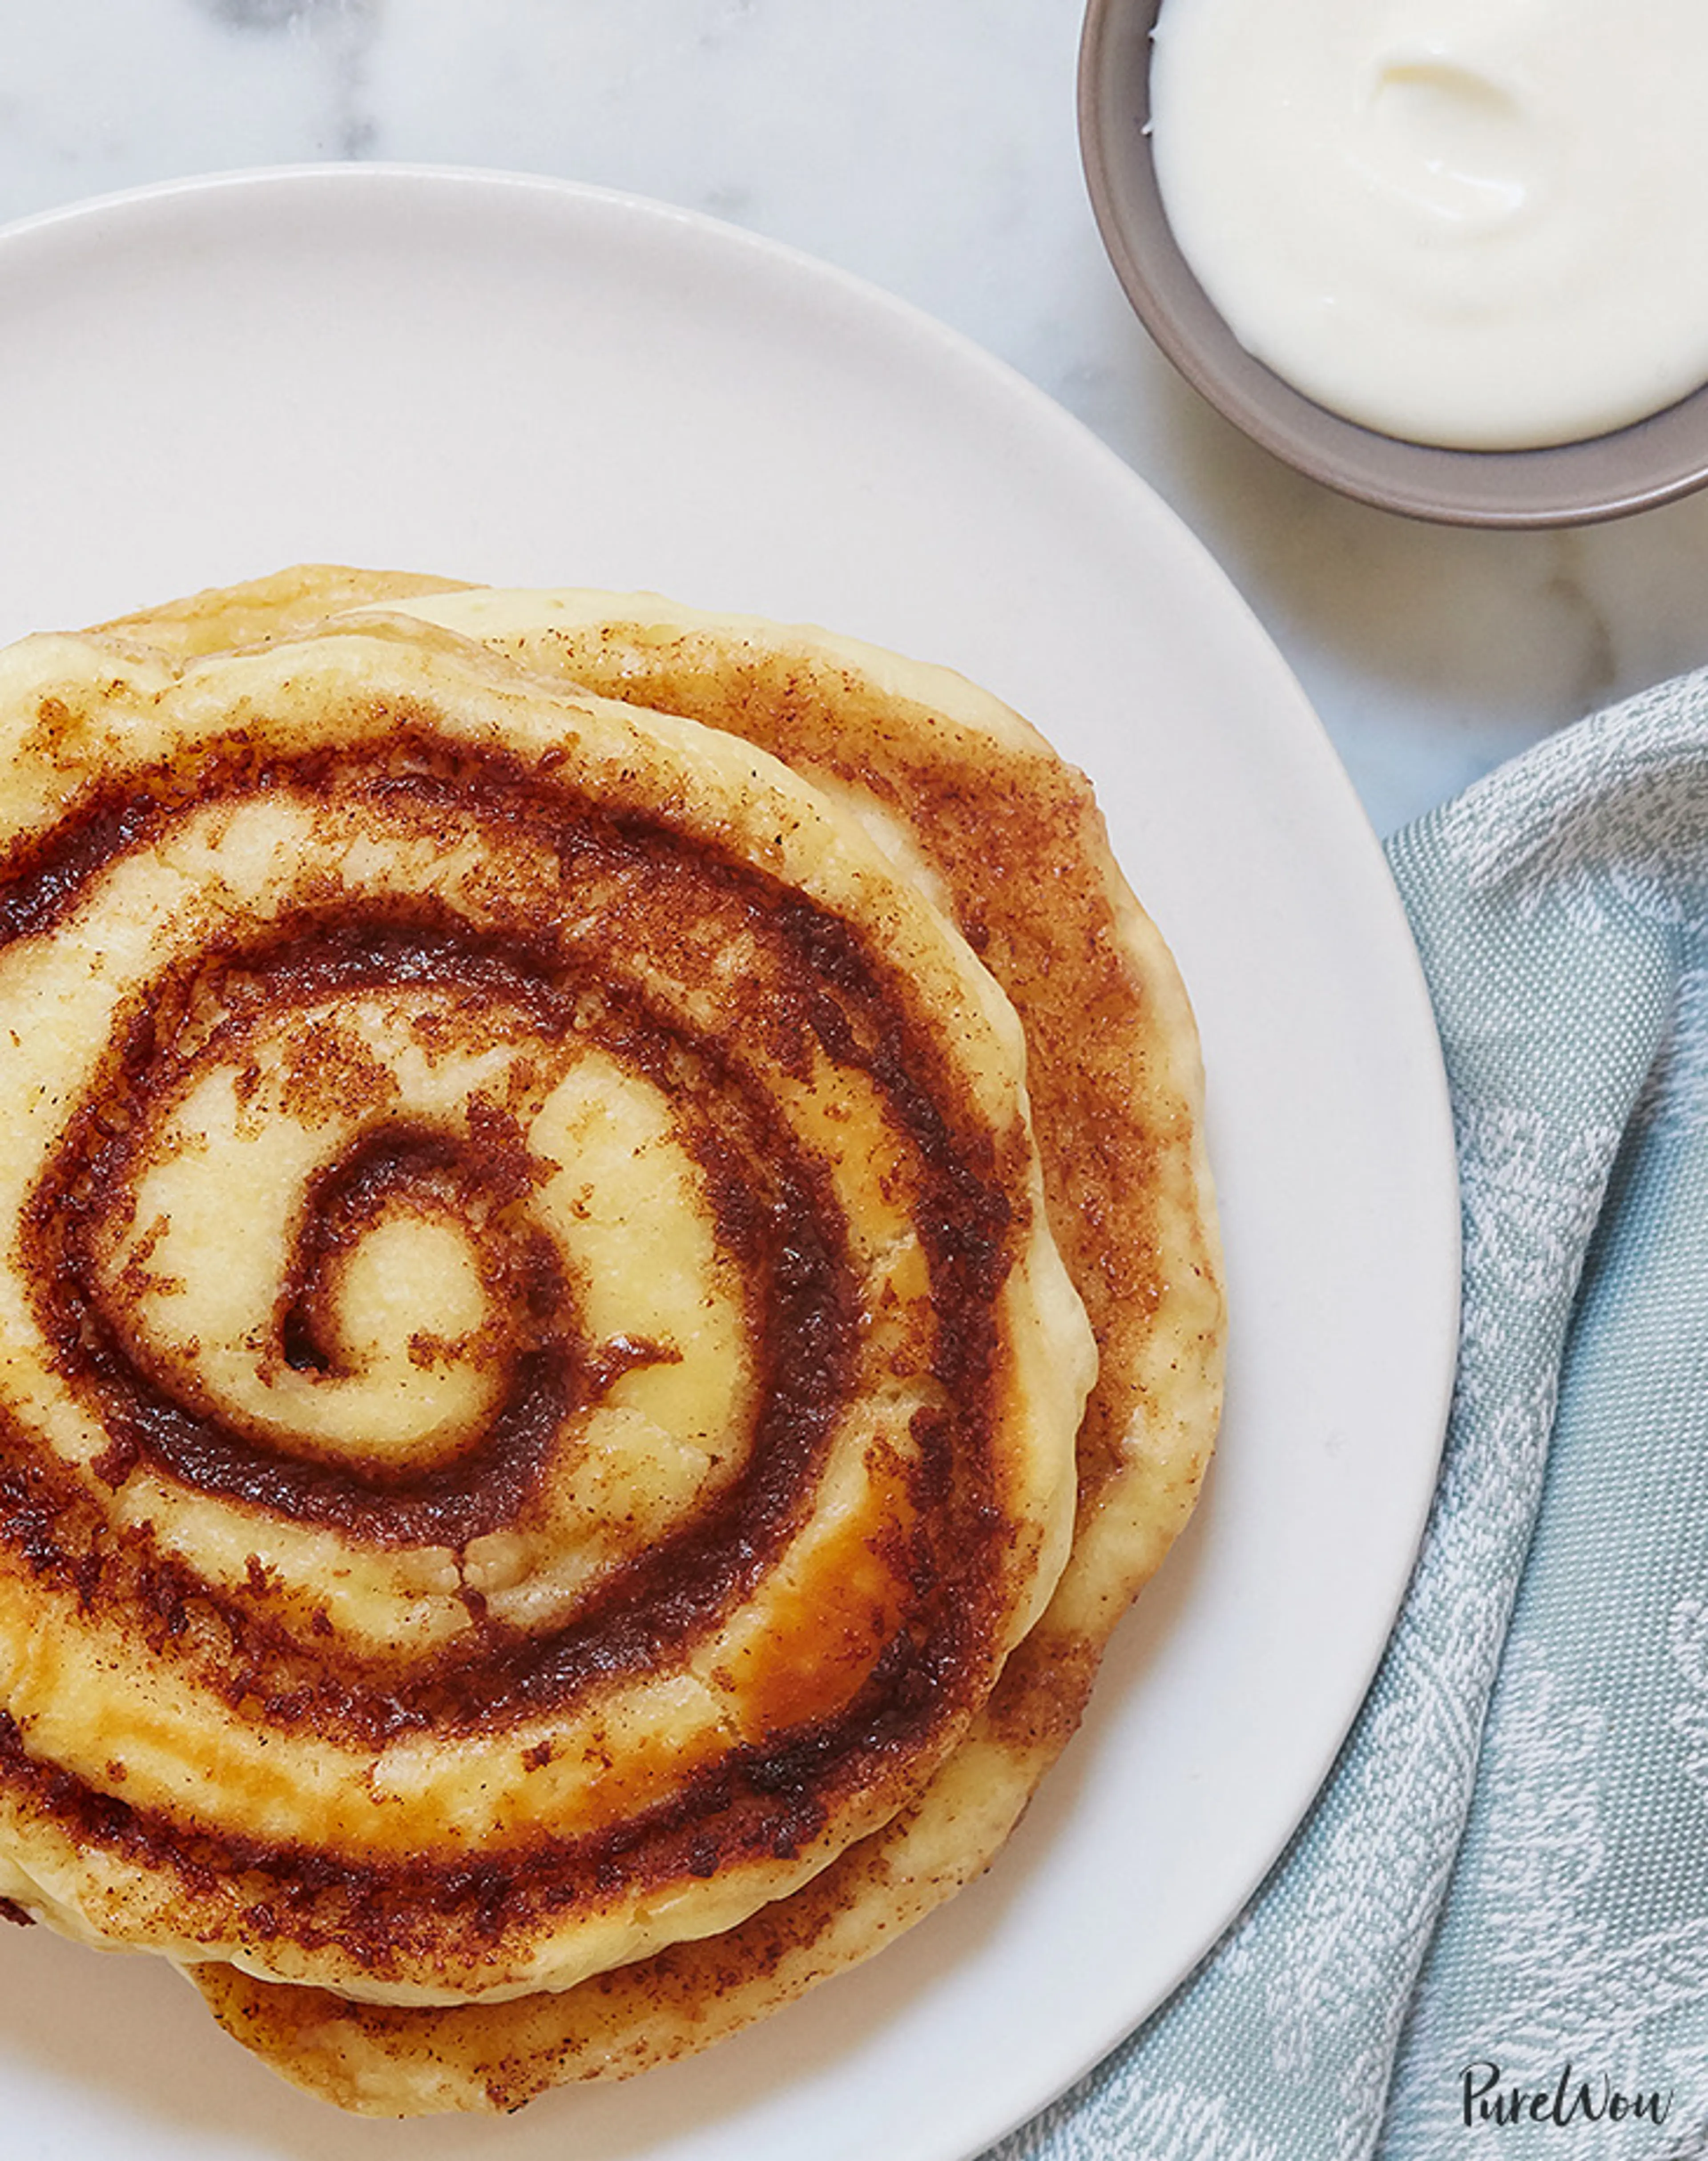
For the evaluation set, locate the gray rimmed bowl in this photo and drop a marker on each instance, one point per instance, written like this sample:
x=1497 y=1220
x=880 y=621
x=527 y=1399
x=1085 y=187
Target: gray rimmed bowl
x=1634 y=468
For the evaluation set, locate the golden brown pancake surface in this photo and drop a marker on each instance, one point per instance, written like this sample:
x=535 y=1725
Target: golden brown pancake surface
x=623 y=1528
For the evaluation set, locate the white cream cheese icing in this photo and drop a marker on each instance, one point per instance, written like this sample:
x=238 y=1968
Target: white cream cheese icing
x=1482 y=223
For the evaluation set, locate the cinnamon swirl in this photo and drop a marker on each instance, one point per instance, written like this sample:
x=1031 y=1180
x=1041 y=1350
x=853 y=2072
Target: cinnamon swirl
x=610 y=1286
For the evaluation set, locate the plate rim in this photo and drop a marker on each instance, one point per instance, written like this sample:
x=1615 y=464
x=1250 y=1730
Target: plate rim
x=1310 y=741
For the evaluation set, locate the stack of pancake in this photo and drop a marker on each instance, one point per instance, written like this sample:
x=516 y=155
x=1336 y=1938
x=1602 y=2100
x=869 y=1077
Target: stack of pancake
x=610 y=1286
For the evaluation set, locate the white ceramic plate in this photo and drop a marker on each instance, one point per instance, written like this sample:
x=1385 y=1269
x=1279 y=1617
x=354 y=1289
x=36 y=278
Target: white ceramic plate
x=518 y=381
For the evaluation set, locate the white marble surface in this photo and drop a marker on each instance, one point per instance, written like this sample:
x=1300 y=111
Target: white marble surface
x=930 y=146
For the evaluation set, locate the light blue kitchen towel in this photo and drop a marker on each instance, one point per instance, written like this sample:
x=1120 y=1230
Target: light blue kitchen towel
x=1491 y=1935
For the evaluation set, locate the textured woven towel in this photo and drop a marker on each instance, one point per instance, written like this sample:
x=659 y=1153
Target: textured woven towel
x=1491 y=1935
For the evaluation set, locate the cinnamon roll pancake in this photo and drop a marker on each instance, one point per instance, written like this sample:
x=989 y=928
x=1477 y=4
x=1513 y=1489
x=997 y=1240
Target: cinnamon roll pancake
x=610 y=1286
